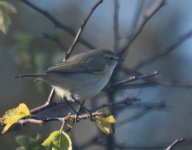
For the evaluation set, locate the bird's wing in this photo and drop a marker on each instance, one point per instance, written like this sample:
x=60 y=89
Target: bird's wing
x=88 y=66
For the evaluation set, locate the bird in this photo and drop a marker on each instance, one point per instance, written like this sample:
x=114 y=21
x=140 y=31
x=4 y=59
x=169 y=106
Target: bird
x=82 y=76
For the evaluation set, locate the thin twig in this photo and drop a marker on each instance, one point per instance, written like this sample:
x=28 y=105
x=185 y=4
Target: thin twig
x=154 y=81
x=123 y=103
x=146 y=109
x=76 y=39
x=174 y=144
x=131 y=79
x=47 y=103
x=136 y=17
x=116 y=25
x=146 y=16
x=163 y=52
x=56 y=22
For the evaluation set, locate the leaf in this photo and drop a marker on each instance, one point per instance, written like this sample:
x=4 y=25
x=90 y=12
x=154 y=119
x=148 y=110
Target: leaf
x=58 y=140
x=5 y=20
x=30 y=143
x=13 y=115
x=105 y=123
x=7 y=6
x=21 y=49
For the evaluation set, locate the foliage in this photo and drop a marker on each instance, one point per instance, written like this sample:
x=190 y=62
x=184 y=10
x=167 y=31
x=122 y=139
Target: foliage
x=13 y=115
x=58 y=140
x=21 y=49
x=29 y=143
x=5 y=10
x=105 y=123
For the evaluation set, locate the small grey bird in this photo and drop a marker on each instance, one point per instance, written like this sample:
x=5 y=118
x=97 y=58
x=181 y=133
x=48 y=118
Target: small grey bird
x=82 y=76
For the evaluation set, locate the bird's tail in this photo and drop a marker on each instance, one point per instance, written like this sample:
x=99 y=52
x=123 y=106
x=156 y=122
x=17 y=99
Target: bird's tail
x=30 y=76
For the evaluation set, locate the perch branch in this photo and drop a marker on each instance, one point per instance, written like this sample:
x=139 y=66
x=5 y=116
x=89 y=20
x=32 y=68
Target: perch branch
x=132 y=103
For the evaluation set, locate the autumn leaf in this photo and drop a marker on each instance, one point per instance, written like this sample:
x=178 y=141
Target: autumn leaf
x=13 y=115
x=105 y=123
x=58 y=140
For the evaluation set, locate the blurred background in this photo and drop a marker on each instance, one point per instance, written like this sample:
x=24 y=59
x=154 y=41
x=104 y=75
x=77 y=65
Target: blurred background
x=25 y=49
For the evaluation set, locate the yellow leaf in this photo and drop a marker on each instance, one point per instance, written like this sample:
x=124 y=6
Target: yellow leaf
x=8 y=7
x=58 y=140
x=105 y=124
x=110 y=119
x=5 y=20
x=13 y=115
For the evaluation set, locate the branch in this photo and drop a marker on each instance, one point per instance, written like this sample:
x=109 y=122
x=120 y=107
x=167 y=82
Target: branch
x=160 y=147
x=42 y=121
x=127 y=103
x=124 y=83
x=47 y=103
x=135 y=18
x=116 y=25
x=153 y=81
x=146 y=16
x=174 y=144
x=170 y=83
x=123 y=103
x=56 y=22
x=146 y=109
x=81 y=29
x=164 y=52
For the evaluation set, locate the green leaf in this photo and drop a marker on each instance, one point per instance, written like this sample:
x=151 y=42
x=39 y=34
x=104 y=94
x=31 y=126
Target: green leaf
x=21 y=49
x=105 y=123
x=58 y=140
x=13 y=115
x=5 y=20
x=30 y=143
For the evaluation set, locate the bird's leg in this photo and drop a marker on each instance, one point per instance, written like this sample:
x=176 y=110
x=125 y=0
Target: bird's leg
x=82 y=106
x=70 y=105
x=79 y=110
